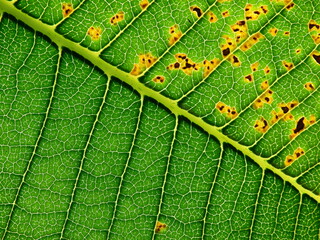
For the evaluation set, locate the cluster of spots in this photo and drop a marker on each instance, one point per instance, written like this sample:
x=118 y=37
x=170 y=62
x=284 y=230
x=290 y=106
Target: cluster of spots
x=160 y=227
x=309 y=86
x=230 y=112
x=261 y=125
x=264 y=98
x=314 y=27
x=209 y=66
x=251 y=41
x=228 y=46
x=196 y=11
x=316 y=56
x=175 y=34
x=145 y=61
x=225 y=14
x=287 y=65
x=94 y=32
x=283 y=111
x=252 y=13
x=67 y=9
x=144 y=4
x=273 y=31
x=264 y=85
x=248 y=78
x=301 y=125
x=234 y=60
x=118 y=17
x=212 y=17
x=184 y=63
x=291 y=158
x=158 y=79
x=240 y=29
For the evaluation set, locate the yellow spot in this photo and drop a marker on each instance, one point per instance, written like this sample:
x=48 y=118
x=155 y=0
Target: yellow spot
x=145 y=61
x=240 y=29
x=264 y=98
x=264 y=85
x=248 y=78
x=290 y=6
x=160 y=227
x=252 y=13
x=118 y=17
x=158 y=79
x=309 y=86
x=212 y=17
x=316 y=56
x=231 y=112
x=316 y=38
x=144 y=4
x=225 y=14
x=234 y=60
x=67 y=9
x=251 y=41
x=291 y=158
x=284 y=2
x=196 y=11
x=184 y=63
x=209 y=66
x=287 y=65
x=261 y=125
x=273 y=31
x=254 y=66
x=267 y=70
x=94 y=32
x=175 y=34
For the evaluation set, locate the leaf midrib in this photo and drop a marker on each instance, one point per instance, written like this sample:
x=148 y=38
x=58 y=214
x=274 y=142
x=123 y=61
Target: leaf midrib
x=133 y=81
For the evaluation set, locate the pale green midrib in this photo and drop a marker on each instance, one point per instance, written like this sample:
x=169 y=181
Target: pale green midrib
x=94 y=58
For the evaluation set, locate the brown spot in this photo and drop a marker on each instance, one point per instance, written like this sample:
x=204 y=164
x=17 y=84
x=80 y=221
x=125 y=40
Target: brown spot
x=196 y=10
x=94 y=32
x=298 y=51
x=175 y=34
x=273 y=31
x=234 y=60
x=209 y=66
x=264 y=85
x=290 y=6
x=118 y=17
x=286 y=33
x=144 y=4
x=225 y=14
x=309 y=86
x=251 y=41
x=158 y=79
x=226 y=52
x=287 y=65
x=225 y=109
x=248 y=78
x=212 y=17
x=67 y=9
x=267 y=70
x=160 y=227
x=316 y=56
x=291 y=158
x=313 y=26
x=261 y=125
x=265 y=98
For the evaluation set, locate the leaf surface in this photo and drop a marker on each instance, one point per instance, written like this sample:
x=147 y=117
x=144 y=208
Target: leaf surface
x=159 y=119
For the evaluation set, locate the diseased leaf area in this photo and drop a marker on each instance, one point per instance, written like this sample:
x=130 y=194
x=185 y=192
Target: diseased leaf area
x=206 y=129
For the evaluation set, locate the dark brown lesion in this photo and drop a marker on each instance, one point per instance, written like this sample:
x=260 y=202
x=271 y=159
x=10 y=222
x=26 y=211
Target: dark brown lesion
x=300 y=125
x=196 y=10
x=316 y=57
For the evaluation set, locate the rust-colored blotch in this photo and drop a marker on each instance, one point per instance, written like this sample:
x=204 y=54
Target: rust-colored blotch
x=160 y=227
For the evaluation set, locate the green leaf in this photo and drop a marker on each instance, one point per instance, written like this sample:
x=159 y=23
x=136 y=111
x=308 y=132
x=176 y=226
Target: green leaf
x=159 y=119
